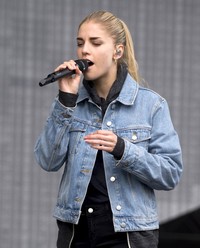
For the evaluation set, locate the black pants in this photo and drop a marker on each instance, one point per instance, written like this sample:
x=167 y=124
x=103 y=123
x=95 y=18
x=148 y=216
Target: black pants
x=95 y=229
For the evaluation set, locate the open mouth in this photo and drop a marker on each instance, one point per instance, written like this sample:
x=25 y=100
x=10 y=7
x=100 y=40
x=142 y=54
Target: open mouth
x=90 y=62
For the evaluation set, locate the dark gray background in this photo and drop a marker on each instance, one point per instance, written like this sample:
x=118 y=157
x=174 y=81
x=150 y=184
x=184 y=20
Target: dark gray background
x=35 y=37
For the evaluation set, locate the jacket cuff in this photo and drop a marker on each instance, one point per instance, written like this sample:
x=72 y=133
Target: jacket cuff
x=118 y=149
x=67 y=99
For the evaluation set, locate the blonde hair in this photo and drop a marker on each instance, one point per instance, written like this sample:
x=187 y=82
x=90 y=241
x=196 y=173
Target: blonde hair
x=120 y=34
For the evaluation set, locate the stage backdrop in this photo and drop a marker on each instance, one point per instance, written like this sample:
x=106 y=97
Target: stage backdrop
x=35 y=37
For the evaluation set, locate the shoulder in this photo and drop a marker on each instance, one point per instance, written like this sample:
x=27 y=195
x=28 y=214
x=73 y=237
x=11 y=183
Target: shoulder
x=148 y=92
x=142 y=89
x=152 y=96
x=133 y=93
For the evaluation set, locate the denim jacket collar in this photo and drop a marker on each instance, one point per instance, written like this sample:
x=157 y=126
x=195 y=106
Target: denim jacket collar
x=127 y=95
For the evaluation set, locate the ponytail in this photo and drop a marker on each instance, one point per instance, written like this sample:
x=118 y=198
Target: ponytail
x=129 y=54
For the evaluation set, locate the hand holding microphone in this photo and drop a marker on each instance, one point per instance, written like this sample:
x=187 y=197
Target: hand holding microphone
x=64 y=72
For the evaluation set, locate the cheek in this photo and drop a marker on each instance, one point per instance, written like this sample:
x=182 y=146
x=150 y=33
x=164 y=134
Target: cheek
x=105 y=60
x=79 y=54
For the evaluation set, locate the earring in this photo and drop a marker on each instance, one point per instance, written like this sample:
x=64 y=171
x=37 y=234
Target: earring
x=115 y=60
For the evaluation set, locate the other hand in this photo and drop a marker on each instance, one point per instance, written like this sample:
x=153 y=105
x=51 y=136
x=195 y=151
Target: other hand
x=104 y=140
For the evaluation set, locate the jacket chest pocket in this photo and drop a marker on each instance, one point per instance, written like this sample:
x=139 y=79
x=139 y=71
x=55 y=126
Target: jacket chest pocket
x=76 y=134
x=138 y=136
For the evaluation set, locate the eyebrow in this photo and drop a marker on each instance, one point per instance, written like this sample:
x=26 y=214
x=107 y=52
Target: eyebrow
x=92 y=38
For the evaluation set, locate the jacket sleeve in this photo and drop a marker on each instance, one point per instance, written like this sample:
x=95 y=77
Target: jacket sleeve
x=51 y=146
x=160 y=165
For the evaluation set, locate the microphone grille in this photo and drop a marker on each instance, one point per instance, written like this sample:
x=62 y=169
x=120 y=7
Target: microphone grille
x=82 y=64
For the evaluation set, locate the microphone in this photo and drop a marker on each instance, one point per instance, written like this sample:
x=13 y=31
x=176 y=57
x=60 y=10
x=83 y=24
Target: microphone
x=83 y=65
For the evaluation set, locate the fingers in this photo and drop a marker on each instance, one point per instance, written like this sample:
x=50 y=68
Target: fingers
x=71 y=65
x=102 y=140
x=70 y=83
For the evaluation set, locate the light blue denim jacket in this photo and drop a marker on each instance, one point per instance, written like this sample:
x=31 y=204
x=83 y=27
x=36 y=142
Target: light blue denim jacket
x=151 y=159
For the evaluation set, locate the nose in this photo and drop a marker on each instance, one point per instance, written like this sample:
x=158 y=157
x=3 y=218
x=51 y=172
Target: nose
x=85 y=49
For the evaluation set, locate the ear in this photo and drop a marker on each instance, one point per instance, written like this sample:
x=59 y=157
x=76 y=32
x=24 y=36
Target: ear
x=119 y=51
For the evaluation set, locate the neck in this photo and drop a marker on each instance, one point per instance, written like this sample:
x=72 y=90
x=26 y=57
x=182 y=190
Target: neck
x=104 y=84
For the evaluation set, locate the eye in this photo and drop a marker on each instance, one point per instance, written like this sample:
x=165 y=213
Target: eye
x=79 y=44
x=97 y=43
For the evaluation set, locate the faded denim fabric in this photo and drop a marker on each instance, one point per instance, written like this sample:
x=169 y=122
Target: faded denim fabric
x=151 y=160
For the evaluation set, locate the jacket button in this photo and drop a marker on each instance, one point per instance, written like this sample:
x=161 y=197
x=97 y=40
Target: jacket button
x=90 y=210
x=118 y=207
x=112 y=179
x=109 y=123
x=134 y=136
x=123 y=224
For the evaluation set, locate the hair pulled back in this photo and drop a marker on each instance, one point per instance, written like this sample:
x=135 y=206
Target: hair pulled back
x=120 y=34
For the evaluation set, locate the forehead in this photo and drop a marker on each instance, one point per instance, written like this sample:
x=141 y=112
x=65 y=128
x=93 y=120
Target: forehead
x=92 y=29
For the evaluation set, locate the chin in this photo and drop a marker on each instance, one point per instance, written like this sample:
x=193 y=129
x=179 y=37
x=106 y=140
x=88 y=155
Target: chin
x=88 y=77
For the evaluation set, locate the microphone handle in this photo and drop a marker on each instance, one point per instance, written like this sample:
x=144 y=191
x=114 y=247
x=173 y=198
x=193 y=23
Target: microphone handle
x=55 y=76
